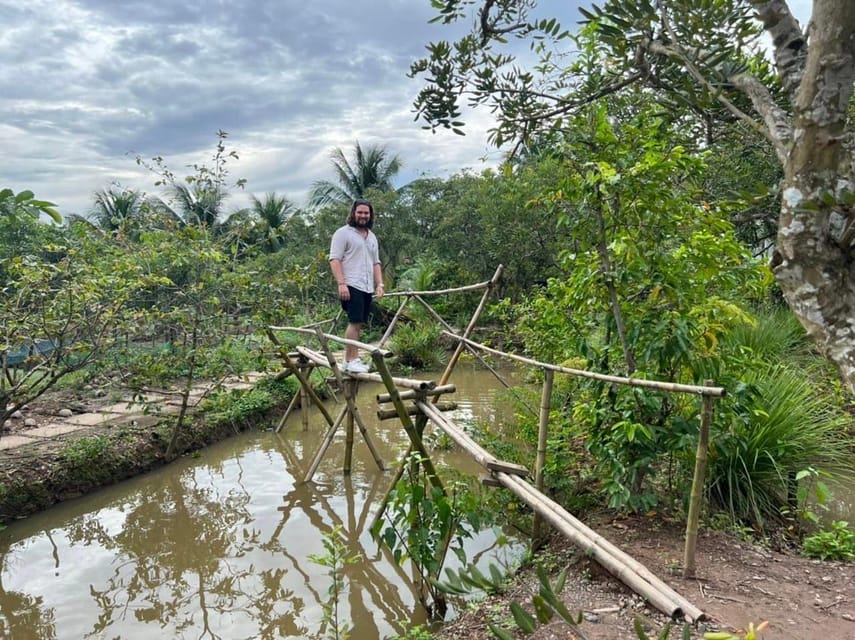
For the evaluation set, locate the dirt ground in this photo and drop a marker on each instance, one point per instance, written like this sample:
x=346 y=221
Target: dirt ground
x=738 y=582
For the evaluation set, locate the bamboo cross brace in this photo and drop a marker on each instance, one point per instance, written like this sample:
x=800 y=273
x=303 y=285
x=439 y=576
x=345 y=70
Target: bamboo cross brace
x=348 y=398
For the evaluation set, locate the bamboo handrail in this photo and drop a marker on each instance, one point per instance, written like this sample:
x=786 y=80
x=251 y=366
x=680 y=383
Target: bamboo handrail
x=329 y=336
x=468 y=287
x=633 y=382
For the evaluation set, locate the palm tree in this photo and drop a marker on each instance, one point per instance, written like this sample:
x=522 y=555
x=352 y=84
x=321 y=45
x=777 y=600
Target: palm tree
x=198 y=204
x=371 y=169
x=274 y=212
x=113 y=208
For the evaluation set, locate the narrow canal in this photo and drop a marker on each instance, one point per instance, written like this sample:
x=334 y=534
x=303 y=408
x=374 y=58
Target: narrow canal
x=218 y=545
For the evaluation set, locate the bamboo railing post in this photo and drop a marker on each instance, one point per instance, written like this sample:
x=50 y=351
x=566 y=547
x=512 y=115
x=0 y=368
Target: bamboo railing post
x=697 y=496
x=539 y=529
x=471 y=326
x=394 y=321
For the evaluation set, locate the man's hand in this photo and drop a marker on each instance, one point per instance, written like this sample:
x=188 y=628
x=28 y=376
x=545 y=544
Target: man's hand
x=343 y=292
x=381 y=291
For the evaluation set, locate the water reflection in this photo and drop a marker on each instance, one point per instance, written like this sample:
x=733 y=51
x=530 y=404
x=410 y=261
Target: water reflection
x=217 y=547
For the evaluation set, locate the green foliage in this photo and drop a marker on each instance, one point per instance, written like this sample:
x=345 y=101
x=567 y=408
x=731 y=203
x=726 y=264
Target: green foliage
x=335 y=558
x=83 y=456
x=834 y=543
x=24 y=204
x=422 y=522
x=771 y=428
x=418 y=345
x=419 y=632
x=239 y=405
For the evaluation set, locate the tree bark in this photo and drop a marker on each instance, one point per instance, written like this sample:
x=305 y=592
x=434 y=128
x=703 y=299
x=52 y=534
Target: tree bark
x=814 y=264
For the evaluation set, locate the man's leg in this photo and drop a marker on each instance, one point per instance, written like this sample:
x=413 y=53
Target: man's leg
x=352 y=333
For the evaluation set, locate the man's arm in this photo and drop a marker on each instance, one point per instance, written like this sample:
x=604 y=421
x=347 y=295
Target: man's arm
x=378 y=280
x=338 y=274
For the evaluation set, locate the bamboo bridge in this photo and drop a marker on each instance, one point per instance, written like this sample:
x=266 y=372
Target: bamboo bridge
x=417 y=403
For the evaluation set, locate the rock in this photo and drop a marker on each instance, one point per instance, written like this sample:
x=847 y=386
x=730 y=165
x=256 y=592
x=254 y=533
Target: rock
x=30 y=422
x=7 y=424
x=65 y=413
x=17 y=415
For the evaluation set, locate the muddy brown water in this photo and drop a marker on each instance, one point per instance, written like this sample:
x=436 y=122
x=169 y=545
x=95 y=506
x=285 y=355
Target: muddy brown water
x=218 y=546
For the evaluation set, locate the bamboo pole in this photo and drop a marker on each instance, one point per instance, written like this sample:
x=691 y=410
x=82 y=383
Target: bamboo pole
x=304 y=401
x=325 y=444
x=388 y=414
x=409 y=394
x=349 y=393
x=288 y=411
x=697 y=496
x=439 y=292
x=624 y=567
x=471 y=326
x=718 y=392
x=538 y=529
x=409 y=383
x=394 y=322
x=353 y=410
x=345 y=341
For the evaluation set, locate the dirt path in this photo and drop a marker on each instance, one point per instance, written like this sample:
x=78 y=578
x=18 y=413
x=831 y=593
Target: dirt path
x=738 y=583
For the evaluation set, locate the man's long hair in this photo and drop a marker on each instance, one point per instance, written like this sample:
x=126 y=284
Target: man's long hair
x=351 y=217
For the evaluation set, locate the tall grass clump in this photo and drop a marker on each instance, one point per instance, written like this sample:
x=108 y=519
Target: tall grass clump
x=773 y=427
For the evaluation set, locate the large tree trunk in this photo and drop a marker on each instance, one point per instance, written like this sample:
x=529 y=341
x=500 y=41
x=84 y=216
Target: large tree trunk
x=814 y=262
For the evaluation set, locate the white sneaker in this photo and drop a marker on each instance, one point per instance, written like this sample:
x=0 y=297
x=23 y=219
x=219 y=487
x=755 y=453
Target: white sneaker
x=355 y=366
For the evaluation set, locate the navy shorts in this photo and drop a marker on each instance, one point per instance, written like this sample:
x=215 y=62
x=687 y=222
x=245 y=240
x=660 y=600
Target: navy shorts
x=358 y=306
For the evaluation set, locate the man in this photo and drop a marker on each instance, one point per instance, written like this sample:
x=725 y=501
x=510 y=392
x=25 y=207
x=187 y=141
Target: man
x=355 y=264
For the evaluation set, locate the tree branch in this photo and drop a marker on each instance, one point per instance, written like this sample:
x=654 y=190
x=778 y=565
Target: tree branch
x=790 y=46
x=778 y=129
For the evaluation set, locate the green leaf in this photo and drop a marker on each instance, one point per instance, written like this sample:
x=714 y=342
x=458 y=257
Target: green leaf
x=525 y=621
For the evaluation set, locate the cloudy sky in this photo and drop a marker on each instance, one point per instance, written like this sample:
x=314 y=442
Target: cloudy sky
x=88 y=85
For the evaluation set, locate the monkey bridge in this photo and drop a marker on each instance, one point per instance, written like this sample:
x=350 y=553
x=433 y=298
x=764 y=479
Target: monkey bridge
x=418 y=403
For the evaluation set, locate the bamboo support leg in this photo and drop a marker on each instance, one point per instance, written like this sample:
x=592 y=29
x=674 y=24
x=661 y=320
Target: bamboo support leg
x=304 y=407
x=349 y=400
x=288 y=411
x=349 y=392
x=539 y=530
x=328 y=438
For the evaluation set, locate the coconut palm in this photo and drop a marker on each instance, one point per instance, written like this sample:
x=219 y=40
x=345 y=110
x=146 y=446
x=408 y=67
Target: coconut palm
x=113 y=208
x=372 y=168
x=273 y=212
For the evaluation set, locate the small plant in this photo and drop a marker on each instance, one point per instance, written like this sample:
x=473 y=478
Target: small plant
x=84 y=451
x=836 y=543
x=751 y=634
x=335 y=558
